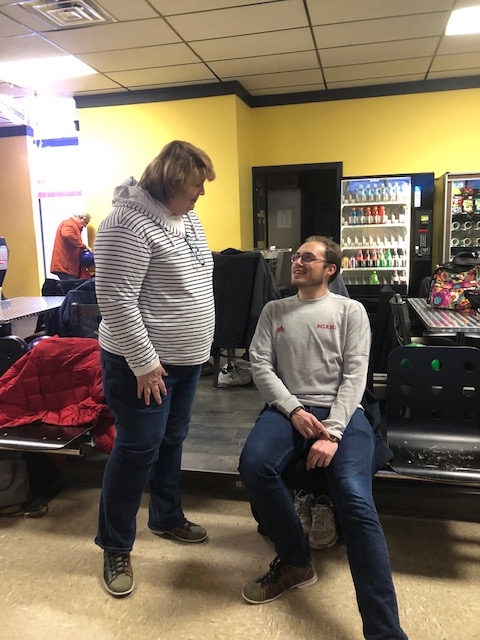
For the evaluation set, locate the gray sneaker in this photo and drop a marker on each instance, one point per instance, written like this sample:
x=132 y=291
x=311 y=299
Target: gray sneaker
x=185 y=532
x=232 y=375
x=323 y=532
x=117 y=573
x=303 y=508
x=279 y=578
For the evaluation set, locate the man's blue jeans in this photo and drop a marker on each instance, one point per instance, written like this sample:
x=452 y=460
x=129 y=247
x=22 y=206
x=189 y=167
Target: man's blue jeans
x=273 y=445
x=147 y=450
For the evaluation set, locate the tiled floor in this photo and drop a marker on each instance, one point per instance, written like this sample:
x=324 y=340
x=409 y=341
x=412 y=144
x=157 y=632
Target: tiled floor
x=51 y=588
x=51 y=580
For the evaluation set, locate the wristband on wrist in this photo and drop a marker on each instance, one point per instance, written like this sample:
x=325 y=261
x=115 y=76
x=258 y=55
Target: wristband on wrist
x=296 y=410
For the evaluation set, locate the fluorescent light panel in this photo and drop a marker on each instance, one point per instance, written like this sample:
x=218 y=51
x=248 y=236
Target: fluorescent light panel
x=39 y=73
x=464 y=21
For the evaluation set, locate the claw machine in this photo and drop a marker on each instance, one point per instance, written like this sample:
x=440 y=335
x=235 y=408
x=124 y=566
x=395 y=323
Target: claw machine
x=460 y=198
x=386 y=232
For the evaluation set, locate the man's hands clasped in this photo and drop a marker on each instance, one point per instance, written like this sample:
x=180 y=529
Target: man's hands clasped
x=323 y=449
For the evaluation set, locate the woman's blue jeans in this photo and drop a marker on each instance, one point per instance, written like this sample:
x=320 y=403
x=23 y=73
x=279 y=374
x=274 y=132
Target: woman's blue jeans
x=147 y=450
x=274 y=444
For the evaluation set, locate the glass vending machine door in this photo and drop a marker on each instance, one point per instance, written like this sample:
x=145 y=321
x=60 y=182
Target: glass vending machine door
x=463 y=214
x=375 y=230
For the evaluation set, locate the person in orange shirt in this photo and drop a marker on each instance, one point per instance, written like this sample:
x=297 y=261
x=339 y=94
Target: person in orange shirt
x=68 y=246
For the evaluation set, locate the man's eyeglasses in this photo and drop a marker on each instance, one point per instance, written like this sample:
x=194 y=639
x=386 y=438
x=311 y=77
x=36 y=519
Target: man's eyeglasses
x=195 y=251
x=306 y=258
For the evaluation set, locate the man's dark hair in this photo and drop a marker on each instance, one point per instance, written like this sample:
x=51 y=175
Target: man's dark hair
x=333 y=253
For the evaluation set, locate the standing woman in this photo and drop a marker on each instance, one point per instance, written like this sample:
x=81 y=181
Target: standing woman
x=154 y=287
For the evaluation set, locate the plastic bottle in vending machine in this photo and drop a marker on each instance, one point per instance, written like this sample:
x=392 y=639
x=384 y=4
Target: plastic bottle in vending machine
x=382 y=218
x=388 y=258
x=376 y=216
x=345 y=262
x=368 y=262
x=352 y=263
x=351 y=216
x=361 y=216
x=381 y=258
x=374 y=278
x=359 y=258
x=395 y=278
x=373 y=258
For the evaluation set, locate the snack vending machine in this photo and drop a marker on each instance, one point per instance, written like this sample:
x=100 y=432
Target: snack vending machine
x=386 y=232
x=460 y=195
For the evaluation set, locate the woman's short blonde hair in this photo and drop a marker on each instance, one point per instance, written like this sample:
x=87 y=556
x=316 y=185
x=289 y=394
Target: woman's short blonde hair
x=178 y=165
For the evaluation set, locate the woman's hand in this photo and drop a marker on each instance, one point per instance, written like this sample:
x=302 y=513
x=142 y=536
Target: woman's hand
x=152 y=384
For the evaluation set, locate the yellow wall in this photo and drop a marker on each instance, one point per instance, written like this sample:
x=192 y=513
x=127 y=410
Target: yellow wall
x=432 y=132
x=120 y=141
x=18 y=217
x=395 y=134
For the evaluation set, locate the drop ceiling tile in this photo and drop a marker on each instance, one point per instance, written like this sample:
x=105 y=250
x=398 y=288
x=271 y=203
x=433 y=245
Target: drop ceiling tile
x=354 y=11
x=27 y=19
x=85 y=83
x=168 y=8
x=367 y=82
x=265 y=64
x=160 y=75
x=128 y=10
x=10 y=28
x=459 y=44
x=403 y=28
x=109 y=37
x=168 y=85
x=459 y=73
x=145 y=57
x=377 y=52
x=240 y=20
x=26 y=47
x=257 y=44
x=377 y=70
x=289 y=78
x=294 y=89
x=469 y=61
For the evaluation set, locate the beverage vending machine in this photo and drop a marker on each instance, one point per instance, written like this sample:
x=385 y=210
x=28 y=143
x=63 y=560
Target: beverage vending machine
x=386 y=232
x=460 y=199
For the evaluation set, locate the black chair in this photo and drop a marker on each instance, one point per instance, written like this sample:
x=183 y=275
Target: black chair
x=401 y=320
x=433 y=412
x=11 y=349
x=402 y=324
x=85 y=319
x=53 y=287
x=242 y=283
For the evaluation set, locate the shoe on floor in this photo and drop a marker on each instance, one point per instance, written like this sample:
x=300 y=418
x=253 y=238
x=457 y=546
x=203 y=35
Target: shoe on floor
x=117 y=573
x=323 y=532
x=234 y=376
x=278 y=579
x=303 y=508
x=186 y=532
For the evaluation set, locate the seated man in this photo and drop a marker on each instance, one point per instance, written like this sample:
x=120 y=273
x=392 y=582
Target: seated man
x=309 y=359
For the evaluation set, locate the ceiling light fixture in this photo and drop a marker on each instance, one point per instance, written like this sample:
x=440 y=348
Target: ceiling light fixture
x=40 y=73
x=464 y=21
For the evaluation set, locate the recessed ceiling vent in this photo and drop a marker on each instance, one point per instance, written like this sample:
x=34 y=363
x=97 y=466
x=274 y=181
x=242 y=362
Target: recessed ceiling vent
x=65 y=13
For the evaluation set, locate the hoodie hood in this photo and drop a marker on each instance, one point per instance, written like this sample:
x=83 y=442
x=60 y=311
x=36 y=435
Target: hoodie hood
x=132 y=195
